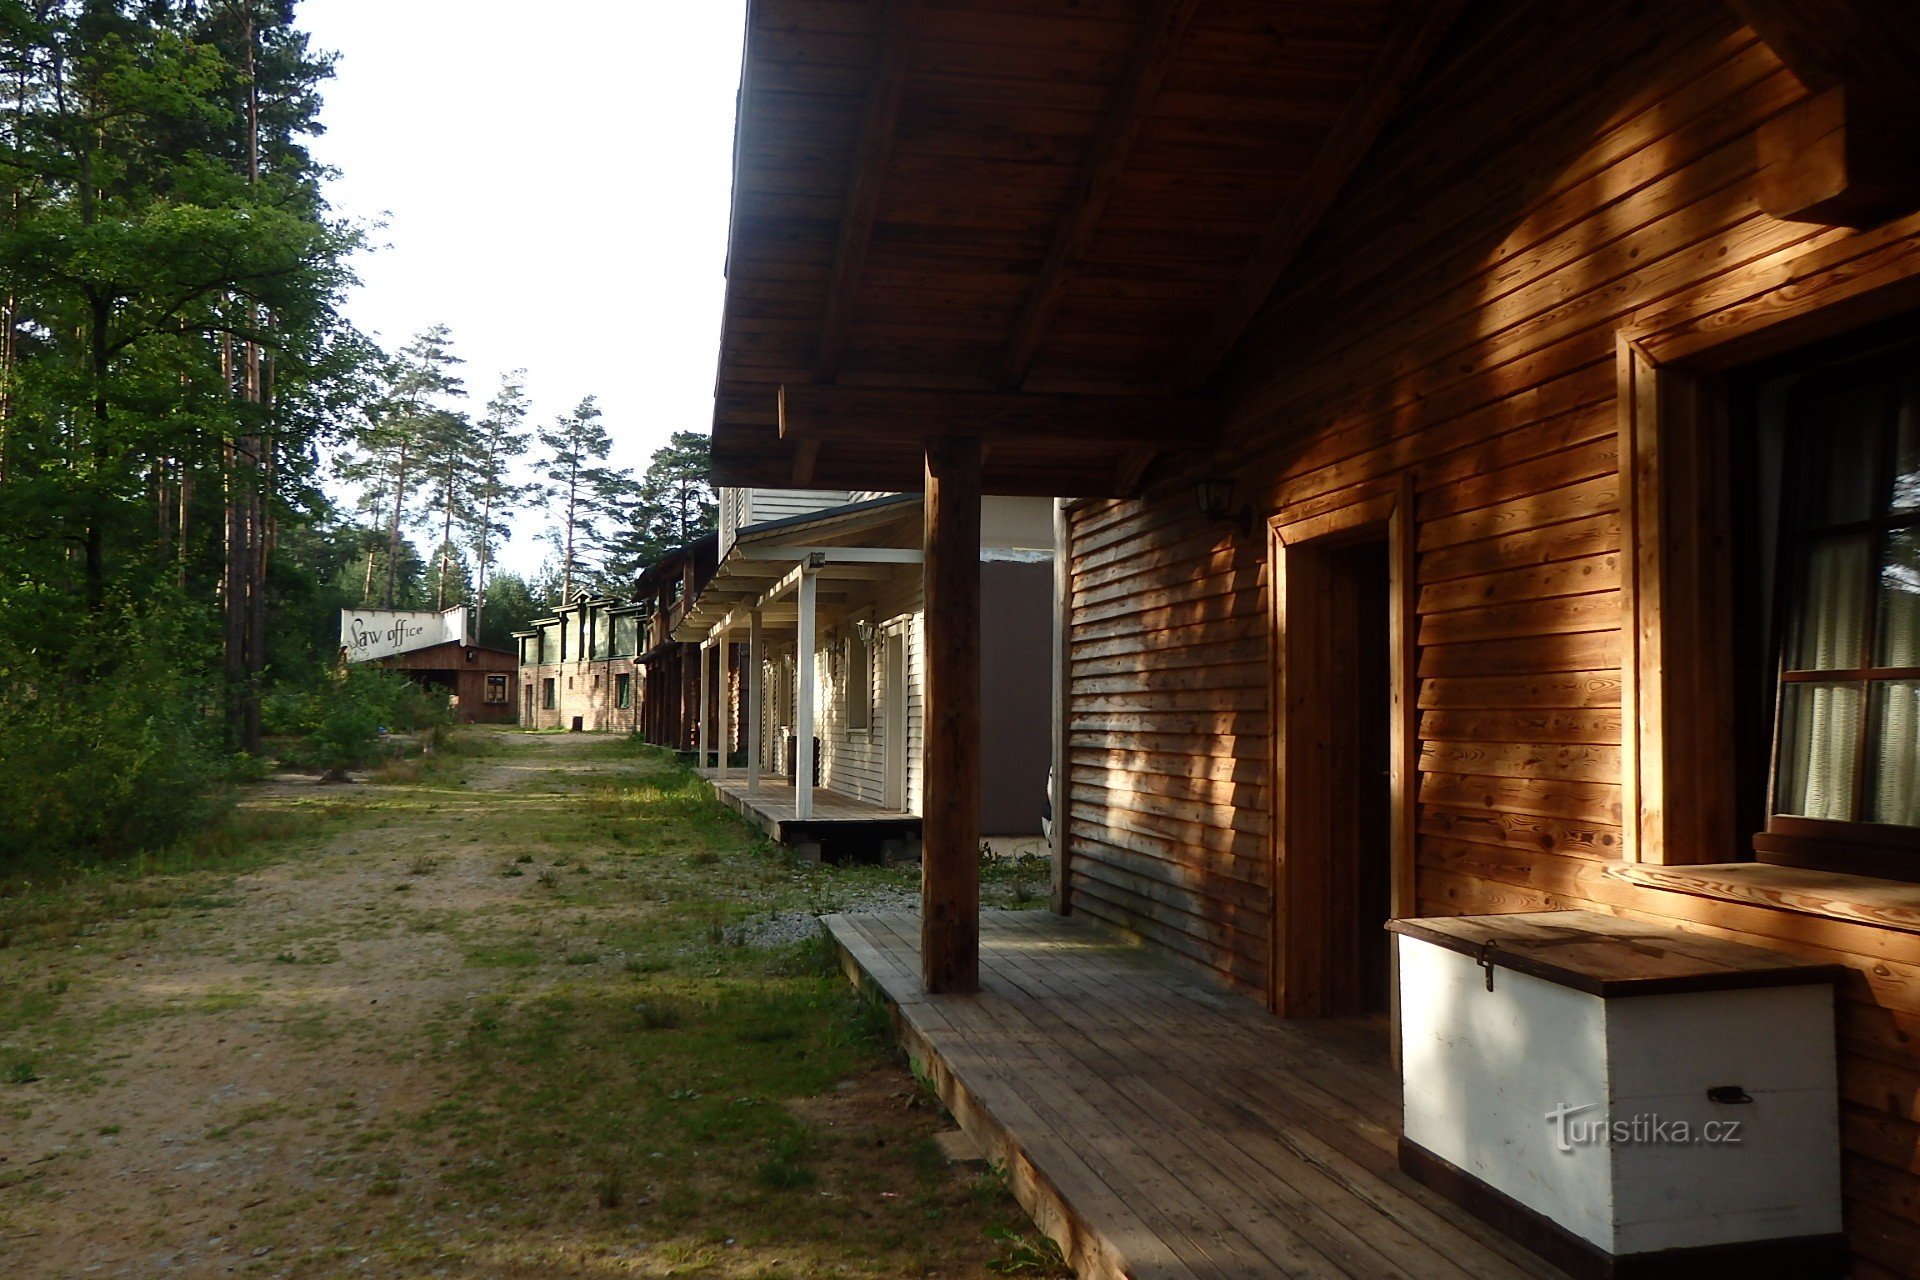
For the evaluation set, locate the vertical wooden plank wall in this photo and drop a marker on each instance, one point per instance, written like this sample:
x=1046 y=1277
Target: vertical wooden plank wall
x=1552 y=184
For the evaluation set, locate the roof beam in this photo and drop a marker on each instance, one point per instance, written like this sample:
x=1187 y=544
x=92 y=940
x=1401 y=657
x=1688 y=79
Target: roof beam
x=1829 y=43
x=1409 y=44
x=863 y=186
x=831 y=555
x=1845 y=155
x=1146 y=69
x=896 y=416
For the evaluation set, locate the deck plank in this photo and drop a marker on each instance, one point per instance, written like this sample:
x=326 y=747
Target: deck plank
x=1158 y=1126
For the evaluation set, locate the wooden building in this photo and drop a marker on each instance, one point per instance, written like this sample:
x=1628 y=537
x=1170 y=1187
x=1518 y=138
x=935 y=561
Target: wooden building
x=812 y=623
x=578 y=669
x=1491 y=436
x=477 y=680
x=669 y=668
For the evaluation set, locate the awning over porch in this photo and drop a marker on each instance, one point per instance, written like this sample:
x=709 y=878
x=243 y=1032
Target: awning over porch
x=1157 y=1126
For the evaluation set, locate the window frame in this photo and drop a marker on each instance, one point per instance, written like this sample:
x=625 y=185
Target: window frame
x=1678 y=698
x=864 y=701
x=1874 y=848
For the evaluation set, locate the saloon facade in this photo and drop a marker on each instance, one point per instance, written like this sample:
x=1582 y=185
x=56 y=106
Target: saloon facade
x=1492 y=438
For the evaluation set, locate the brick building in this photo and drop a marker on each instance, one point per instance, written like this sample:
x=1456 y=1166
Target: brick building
x=578 y=668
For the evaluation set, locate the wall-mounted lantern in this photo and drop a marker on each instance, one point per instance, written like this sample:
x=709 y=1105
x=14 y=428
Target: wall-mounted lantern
x=1215 y=493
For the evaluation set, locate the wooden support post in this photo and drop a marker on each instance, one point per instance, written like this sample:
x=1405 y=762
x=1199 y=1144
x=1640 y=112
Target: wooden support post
x=803 y=713
x=755 y=694
x=1062 y=758
x=950 y=865
x=723 y=765
x=706 y=684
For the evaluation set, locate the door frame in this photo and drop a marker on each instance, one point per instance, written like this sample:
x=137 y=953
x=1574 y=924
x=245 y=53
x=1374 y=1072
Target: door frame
x=1298 y=947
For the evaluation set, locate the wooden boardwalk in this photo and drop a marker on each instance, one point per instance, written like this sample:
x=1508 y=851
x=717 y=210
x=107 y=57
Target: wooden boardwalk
x=771 y=808
x=1157 y=1126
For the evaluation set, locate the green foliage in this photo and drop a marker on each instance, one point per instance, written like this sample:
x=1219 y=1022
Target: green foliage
x=509 y=607
x=585 y=494
x=107 y=746
x=675 y=504
x=338 y=723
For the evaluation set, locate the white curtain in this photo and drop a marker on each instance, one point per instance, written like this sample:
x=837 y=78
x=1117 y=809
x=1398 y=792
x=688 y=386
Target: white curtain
x=1896 y=774
x=1822 y=730
x=1896 y=782
x=1833 y=607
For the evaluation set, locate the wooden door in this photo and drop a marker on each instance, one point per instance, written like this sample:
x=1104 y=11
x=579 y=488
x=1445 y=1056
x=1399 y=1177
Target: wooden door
x=1343 y=754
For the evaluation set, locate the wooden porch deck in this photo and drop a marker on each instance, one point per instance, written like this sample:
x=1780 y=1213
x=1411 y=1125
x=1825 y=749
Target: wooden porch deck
x=1160 y=1128
x=771 y=809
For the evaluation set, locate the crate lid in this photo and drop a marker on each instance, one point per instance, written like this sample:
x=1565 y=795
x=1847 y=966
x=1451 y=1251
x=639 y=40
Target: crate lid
x=1609 y=956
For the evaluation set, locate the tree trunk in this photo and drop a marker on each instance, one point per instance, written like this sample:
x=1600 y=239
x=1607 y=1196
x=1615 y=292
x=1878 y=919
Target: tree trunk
x=393 y=525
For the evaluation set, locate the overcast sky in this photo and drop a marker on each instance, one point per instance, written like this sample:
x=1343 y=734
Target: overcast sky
x=554 y=179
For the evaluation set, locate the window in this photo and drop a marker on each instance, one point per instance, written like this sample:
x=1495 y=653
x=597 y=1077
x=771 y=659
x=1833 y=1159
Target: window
x=546 y=694
x=1845 y=785
x=1772 y=677
x=859 y=682
x=496 y=694
x=623 y=691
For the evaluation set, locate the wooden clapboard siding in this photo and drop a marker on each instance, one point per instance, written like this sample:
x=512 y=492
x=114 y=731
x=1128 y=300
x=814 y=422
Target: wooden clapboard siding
x=1545 y=187
x=854 y=760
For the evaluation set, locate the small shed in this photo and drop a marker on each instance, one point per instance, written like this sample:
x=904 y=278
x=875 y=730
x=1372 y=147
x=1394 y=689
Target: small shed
x=480 y=679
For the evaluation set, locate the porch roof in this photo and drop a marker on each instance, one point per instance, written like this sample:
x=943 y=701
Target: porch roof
x=761 y=555
x=1039 y=223
x=1161 y=1128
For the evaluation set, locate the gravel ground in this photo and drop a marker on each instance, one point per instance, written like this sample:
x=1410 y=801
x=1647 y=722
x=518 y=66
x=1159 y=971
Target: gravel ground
x=783 y=928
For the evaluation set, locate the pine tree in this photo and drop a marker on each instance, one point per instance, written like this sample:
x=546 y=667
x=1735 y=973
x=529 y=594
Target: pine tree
x=585 y=494
x=406 y=433
x=172 y=345
x=503 y=438
x=675 y=502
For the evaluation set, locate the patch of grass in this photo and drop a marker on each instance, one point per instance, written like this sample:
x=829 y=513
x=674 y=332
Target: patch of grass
x=670 y=1084
x=1025 y=1253
x=19 y=1071
x=423 y=865
x=503 y=955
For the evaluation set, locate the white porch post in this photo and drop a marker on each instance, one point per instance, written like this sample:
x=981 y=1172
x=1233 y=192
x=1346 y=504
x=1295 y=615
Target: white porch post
x=705 y=706
x=754 y=696
x=723 y=766
x=803 y=717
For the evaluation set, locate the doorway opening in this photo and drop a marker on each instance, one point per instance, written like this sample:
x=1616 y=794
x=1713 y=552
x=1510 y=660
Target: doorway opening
x=1355 y=689
x=1343 y=756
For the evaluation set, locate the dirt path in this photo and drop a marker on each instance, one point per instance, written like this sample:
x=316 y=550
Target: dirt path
x=321 y=1067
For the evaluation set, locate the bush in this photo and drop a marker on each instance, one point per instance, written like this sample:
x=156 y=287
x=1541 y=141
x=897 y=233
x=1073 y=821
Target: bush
x=109 y=746
x=339 y=723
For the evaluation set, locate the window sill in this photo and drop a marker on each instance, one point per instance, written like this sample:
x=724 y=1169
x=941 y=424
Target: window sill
x=1883 y=904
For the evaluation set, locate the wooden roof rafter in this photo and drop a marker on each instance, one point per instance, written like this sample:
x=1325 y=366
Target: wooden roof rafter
x=863 y=191
x=1409 y=45
x=1153 y=53
x=1101 y=424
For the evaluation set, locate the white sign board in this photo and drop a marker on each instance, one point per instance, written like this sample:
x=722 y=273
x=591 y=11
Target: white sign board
x=366 y=634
